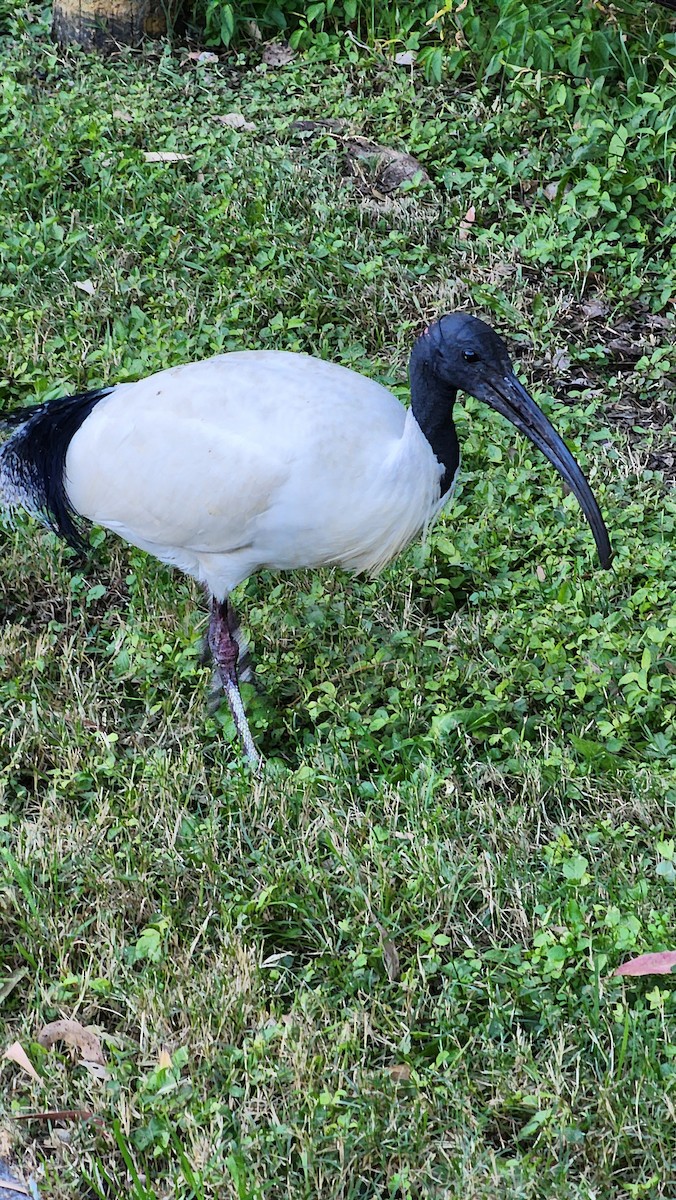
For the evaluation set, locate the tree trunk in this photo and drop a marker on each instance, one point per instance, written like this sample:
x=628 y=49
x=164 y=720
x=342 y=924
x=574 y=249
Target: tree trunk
x=106 y=24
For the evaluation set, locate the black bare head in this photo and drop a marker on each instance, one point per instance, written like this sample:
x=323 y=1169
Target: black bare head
x=464 y=352
x=461 y=353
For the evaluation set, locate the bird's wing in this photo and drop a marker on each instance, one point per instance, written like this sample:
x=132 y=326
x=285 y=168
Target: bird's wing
x=194 y=457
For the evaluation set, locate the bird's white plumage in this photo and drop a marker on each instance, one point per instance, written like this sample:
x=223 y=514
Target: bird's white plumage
x=255 y=459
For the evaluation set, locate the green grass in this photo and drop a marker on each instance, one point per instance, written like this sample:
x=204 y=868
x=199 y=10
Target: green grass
x=471 y=759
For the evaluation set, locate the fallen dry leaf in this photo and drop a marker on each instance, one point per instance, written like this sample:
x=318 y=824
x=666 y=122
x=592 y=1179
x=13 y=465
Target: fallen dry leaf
x=85 y=285
x=235 y=121
x=550 y=191
x=662 y=962
x=16 y=1054
x=398 y=170
x=389 y=168
x=325 y=126
x=153 y=156
x=74 y=1034
x=465 y=227
x=540 y=572
x=594 y=308
x=274 y=960
x=59 y=1135
x=391 y=959
x=60 y=1114
x=121 y=114
x=390 y=953
x=164 y=1059
x=278 y=54
x=560 y=359
x=202 y=56
x=593 y=666
x=400 y=1072
x=96 y=1070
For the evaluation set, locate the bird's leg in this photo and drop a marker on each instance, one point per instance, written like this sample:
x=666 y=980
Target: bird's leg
x=225 y=649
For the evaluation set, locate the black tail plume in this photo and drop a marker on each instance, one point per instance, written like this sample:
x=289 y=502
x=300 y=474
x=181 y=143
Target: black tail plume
x=33 y=460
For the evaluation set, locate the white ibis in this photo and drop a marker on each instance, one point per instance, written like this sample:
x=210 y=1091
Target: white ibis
x=267 y=459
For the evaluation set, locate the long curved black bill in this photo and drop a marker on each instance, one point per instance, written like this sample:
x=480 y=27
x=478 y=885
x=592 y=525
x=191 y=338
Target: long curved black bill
x=510 y=398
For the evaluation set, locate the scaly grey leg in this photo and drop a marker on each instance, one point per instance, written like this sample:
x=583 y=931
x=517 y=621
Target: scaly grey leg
x=225 y=649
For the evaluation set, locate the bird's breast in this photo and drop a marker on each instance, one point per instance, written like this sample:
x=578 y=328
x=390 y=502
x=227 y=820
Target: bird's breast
x=369 y=502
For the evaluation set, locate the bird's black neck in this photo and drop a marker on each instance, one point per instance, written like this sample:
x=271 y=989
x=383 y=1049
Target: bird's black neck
x=432 y=405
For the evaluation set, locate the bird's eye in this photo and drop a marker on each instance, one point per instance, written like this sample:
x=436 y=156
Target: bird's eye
x=470 y=356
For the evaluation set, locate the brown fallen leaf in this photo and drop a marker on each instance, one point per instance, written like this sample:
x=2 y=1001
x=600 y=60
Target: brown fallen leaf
x=16 y=1054
x=153 y=156
x=278 y=54
x=325 y=126
x=121 y=114
x=388 y=168
x=164 y=1058
x=202 y=56
x=594 y=308
x=85 y=285
x=391 y=960
x=400 y=1072
x=400 y=169
x=662 y=962
x=390 y=953
x=60 y=1114
x=465 y=227
x=540 y=572
x=235 y=121
x=74 y=1034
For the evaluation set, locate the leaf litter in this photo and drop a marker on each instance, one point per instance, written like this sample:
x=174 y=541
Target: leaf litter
x=79 y=1037
x=16 y=1054
x=661 y=962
